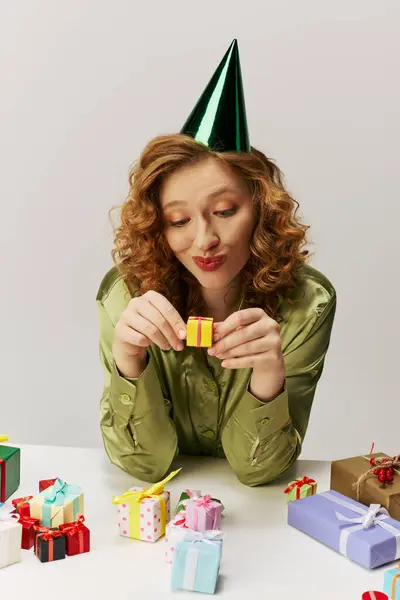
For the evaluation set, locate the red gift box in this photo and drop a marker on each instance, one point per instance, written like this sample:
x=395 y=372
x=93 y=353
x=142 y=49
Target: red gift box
x=77 y=536
x=46 y=483
x=374 y=596
x=22 y=507
x=28 y=531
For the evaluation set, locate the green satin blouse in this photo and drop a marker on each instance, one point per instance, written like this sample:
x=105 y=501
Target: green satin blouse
x=186 y=402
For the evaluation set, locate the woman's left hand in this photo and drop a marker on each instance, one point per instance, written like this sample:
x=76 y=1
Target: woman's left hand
x=249 y=338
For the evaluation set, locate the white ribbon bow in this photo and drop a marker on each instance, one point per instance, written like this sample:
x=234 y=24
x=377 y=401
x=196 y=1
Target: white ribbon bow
x=373 y=516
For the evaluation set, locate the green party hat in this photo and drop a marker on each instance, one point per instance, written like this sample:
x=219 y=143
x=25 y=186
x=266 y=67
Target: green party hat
x=219 y=118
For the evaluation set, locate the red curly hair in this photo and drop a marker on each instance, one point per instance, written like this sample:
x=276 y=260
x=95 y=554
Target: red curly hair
x=145 y=260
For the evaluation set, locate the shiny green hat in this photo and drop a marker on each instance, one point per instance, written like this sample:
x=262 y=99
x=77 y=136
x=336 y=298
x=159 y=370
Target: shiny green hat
x=219 y=118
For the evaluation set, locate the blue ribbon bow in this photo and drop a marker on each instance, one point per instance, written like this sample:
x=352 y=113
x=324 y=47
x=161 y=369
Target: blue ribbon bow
x=60 y=493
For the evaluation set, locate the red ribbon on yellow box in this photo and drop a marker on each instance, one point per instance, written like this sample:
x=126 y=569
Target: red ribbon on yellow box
x=298 y=484
x=197 y=334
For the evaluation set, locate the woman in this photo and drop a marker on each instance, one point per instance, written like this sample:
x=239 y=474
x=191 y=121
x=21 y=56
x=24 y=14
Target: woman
x=209 y=230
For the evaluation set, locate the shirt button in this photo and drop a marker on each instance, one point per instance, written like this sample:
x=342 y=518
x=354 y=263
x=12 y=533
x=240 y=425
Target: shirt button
x=265 y=421
x=209 y=434
x=125 y=399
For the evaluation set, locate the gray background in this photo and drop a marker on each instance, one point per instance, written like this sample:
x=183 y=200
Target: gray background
x=87 y=83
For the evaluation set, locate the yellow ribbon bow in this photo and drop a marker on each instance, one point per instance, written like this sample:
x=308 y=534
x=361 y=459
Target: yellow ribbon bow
x=134 y=498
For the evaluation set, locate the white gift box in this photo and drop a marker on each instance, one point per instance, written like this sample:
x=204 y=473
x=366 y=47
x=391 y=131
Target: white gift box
x=10 y=542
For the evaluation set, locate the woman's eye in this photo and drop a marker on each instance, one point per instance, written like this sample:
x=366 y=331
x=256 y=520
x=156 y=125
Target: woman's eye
x=179 y=223
x=226 y=213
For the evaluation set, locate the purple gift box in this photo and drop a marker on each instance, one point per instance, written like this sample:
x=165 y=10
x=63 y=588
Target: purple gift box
x=366 y=535
x=203 y=514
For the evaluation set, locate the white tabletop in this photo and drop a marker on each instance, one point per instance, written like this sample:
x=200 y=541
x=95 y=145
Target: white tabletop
x=262 y=555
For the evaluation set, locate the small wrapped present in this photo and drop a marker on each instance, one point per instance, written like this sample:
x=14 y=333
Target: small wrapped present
x=22 y=506
x=28 y=532
x=10 y=459
x=50 y=545
x=77 y=536
x=368 y=536
x=370 y=479
x=174 y=533
x=58 y=504
x=196 y=562
x=188 y=495
x=144 y=512
x=374 y=596
x=203 y=514
x=301 y=488
x=199 y=332
x=391 y=583
x=46 y=483
x=10 y=542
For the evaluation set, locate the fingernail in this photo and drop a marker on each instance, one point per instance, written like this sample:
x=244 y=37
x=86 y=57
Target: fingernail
x=182 y=334
x=179 y=346
x=211 y=351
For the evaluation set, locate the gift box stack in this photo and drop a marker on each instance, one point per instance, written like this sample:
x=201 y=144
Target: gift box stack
x=359 y=516
x=193 y=537
x=51 y=522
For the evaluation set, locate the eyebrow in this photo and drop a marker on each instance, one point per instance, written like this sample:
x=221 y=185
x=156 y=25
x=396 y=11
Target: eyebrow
x=218 y=192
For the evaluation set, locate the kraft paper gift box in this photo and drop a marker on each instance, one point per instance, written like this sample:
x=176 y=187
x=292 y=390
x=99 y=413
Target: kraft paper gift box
x=10 y=542
x=10 y=464
x=347 y=472
x=77 y=537
x=199 y=332
x=50 y=546
x=368 y=536
x=58 y=504
x=391 y=583
x=143 y=513
x=203 y=514
x=196 y=562
x=188 y=495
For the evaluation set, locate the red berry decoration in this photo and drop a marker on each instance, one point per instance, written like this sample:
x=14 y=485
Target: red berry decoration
x=382 y=478
x=389 y=478
x=390 y=471
x=372 y=461
x=376 y=472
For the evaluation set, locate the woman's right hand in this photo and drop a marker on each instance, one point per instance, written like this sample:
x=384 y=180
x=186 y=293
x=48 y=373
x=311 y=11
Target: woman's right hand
x=148 y=319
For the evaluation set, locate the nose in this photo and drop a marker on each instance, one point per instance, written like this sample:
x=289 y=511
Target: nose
x=206 y=237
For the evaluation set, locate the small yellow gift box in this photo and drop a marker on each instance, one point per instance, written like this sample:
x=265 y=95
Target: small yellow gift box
x=199 y=332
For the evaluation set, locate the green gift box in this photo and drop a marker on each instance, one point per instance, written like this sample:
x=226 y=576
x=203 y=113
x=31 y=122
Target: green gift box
x=301 y=488
x=9 y=471
x=189 y=495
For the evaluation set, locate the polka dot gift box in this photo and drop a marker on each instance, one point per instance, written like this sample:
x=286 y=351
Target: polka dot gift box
x=143 y=513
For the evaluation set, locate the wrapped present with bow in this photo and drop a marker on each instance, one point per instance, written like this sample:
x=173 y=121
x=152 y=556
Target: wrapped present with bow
x=10 y=537
x=203 y=514
x=370 y=479
x=301 y=488
x=77 y=536
x=46 y=483
x=143 y=513
x=22 y=506
x=10 y=465
x=58 y=504
x=28 y=532
x=391 y=583
x=366 y=535
x=188 y=495
x=196 y=562
x=50 y=545
x=199 y=332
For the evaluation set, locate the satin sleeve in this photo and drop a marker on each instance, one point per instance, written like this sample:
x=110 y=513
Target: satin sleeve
x=138 y=433
x=262 y=440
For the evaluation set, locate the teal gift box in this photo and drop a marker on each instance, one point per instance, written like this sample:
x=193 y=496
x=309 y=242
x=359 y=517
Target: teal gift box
x=391 y=583
x=196 y=562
